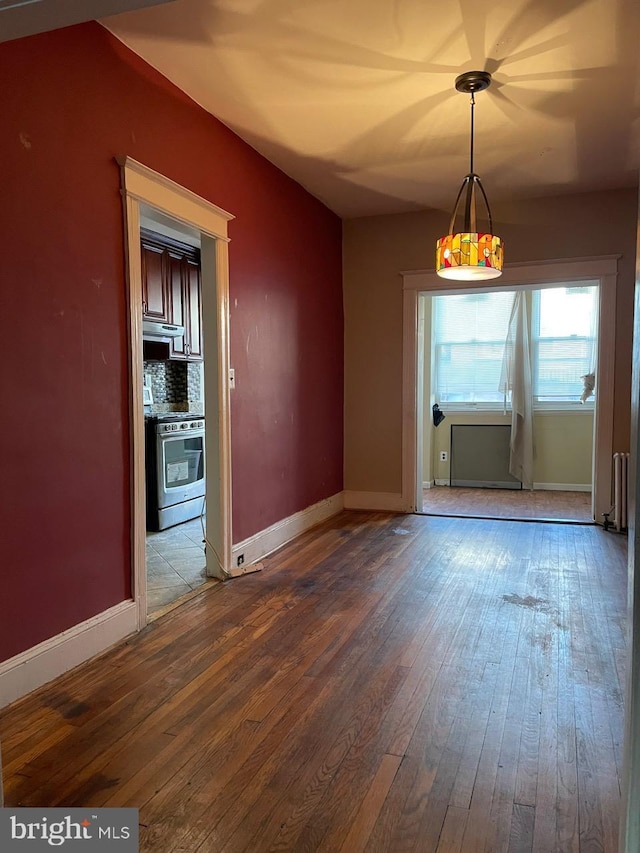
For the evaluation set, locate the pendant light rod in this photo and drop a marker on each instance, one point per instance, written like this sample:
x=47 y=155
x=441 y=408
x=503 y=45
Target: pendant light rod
x=469 y=83
x=473 y=106
x=470 y=201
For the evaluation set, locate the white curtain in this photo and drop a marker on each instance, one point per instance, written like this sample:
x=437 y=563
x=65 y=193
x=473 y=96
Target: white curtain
x=515 y=383
x=589 y=379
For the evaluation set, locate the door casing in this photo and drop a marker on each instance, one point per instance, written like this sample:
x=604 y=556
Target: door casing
x=602 y=271
x=143 y=186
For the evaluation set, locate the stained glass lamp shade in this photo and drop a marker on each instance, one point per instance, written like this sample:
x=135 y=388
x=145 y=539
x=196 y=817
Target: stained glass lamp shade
x=470 y=254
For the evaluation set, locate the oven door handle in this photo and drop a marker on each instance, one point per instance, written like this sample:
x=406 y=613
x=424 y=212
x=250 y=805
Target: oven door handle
x=181 y=433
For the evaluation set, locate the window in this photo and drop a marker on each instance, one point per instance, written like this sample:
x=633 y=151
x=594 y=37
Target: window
x=469 y=333
x=564 y=336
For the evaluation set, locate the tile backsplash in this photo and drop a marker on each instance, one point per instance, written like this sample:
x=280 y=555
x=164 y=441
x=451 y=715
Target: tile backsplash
x=195 y=386
x=177 y=386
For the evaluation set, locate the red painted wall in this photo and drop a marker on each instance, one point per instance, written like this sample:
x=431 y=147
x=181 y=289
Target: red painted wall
x=72 y=101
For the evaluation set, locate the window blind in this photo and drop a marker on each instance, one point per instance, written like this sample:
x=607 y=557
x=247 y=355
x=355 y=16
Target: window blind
x=564 y=335
x=469 y=333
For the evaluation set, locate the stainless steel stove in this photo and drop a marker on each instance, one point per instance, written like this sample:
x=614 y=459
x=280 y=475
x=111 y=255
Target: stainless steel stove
x=175 y=478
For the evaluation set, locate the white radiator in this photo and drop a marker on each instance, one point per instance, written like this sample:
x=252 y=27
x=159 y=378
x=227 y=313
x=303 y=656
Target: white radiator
x=620 y=490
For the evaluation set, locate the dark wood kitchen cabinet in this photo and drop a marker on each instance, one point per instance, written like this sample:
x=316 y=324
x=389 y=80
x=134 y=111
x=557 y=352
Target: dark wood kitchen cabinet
x=193 y=313
x=155 y=294
x=186 y=306
x=178 y=346
x=171 y=281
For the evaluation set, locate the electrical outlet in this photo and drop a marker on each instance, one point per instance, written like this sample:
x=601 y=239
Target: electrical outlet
x=240 y=559
x=443 y=455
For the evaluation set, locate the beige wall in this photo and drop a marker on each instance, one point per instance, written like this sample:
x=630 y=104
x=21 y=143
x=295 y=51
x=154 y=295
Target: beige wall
x=377 y=249
x=563 y=444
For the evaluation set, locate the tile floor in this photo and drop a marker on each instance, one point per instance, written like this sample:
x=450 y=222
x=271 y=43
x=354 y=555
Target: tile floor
x=175 y=563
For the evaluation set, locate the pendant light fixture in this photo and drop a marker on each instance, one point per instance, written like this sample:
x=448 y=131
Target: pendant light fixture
x=470 y=254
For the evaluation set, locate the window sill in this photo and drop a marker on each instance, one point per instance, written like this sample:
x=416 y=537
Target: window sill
x=488 y=409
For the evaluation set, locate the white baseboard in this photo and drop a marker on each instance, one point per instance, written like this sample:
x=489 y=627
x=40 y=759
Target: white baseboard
x=42 y=663
x=383 y=501
x=563 y=487
x=427 y=484
x=263 y=543
x=551 y=487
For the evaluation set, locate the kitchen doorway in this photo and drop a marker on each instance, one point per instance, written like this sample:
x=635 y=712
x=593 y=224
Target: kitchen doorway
x=174 y=410
x=146 y=193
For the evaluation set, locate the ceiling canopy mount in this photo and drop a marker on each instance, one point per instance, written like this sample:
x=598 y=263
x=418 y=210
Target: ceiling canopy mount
x=473 y=81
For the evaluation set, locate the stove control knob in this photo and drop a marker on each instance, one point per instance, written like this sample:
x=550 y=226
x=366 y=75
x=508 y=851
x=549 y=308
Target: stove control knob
x=166 y=427
x=174 y=426
x=200 y=423
x=184 y=426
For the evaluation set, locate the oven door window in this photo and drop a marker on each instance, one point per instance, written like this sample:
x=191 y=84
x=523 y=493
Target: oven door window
x=183 y=461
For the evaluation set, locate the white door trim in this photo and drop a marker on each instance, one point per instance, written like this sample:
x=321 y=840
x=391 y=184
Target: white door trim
x=630 y=812
x=411 y=484
x=603 y=269
x=141 y=185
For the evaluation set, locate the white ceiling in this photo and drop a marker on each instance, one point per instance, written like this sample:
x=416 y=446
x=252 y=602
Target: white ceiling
x=355 y=99
x=20 y=18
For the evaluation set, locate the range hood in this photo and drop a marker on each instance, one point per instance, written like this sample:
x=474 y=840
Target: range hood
x=156 y=330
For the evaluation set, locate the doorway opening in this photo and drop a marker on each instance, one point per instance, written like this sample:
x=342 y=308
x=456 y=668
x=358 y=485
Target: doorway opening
x=174 y=410
x=183 y=217
x=482 y=350
x=418 y=442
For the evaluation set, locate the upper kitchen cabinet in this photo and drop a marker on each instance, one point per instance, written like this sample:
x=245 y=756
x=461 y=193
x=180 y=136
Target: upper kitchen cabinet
x=193 y=305
x=186 y=305
x=155 y=294
x=178 y=346
x=171 y=278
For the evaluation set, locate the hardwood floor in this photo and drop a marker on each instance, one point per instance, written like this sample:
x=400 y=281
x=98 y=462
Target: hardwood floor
x=387 y=683
x=508 y=503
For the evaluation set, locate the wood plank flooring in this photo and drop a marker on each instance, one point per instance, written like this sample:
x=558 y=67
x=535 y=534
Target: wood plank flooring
x=387 y=683
x=525 y=504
